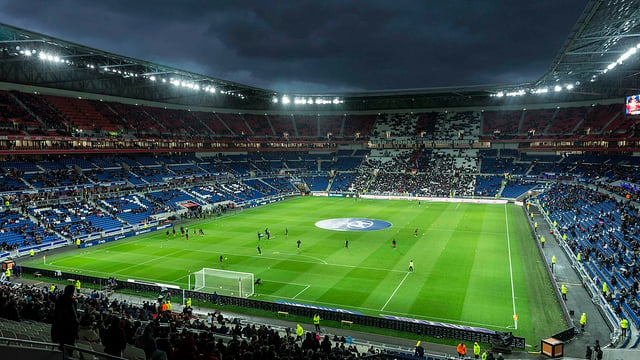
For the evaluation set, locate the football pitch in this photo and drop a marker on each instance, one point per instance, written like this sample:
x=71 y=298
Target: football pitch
x=474 y=265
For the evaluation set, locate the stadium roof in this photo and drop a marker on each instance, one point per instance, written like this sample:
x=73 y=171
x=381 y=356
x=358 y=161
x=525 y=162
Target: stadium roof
x=602 y=49
x=598 y=60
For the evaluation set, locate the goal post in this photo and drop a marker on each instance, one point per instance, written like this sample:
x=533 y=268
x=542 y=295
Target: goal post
x=224 y=282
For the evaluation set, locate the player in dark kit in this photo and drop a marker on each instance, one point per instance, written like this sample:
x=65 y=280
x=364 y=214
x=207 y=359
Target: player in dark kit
x=346 y=244
x=415 y=232
x=298 y=242
x=393 y=244
x=259 y=250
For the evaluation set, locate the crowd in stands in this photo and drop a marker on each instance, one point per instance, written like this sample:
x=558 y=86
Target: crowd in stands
x=603 y=232
x=112 y=326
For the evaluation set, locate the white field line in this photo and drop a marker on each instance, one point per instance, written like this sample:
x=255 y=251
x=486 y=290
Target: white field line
x=301 y=291
x=513 y=296
x=396 y=290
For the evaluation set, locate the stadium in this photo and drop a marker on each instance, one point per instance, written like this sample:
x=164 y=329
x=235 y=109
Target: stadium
x=407 y=221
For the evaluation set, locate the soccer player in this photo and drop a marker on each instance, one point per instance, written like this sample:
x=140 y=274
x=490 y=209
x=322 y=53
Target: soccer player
x=298 y=242
x=167 y=235
x=415 y=232
x=186 y=235
x=201 y=232
x=221 y=259
x=259 y=250
x=393 y=244
x=346 y=243
x=410 y=265
x=259 y=235
x=286 y=231
x=174 y=231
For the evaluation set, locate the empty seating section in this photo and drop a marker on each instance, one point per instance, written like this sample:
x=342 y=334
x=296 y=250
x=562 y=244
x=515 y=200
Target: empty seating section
x=47 y=114
x=619 y=121
x=138 y=118
x=505 y=122
x=358 y=125
x=235 y=123
x=213 y=123
x=117 y=121
x=282 y=124
x=19 y=165
x=307 y=125
x=185 y=169
x=426 y=123
x=258 y=124
x=13 y=115
x=514 y=189
x=107 y=162
x=567 y=119
x=81 y=115
x=173 y=121
x=599 y=117
x=330 y=124
x=536 y=121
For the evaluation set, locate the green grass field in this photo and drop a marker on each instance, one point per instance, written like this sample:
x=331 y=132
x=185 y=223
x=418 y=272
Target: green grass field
x=475 y=264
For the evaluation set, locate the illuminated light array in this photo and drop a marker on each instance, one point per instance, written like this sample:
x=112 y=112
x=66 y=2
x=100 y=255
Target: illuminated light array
x=53 y=58
x=538 y=91
x=626 y=55
x=301 y=100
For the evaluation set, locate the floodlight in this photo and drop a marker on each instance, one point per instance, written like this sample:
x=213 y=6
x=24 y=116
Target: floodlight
x=557 y=88
x=152 y=78
x=569 y=87
x=285 y=99
x=310 y=101
x=336 y=100
x=612 y=65
x=274 y=100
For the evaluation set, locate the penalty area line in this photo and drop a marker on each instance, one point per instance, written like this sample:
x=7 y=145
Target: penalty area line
x=396 y=290
x=301 y=291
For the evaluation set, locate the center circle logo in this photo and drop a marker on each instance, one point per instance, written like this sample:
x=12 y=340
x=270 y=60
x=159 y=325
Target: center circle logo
x=353 y=224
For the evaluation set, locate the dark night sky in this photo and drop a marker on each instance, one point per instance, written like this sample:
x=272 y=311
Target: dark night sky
x=319 y=46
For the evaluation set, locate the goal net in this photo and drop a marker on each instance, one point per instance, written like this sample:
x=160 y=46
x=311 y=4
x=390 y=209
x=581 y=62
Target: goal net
x=224 y=282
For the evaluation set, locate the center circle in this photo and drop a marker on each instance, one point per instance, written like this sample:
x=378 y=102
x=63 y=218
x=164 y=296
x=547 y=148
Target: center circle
x=353 y=224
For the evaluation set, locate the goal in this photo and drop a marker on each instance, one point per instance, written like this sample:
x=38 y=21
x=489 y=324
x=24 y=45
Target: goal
x=224 y=282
